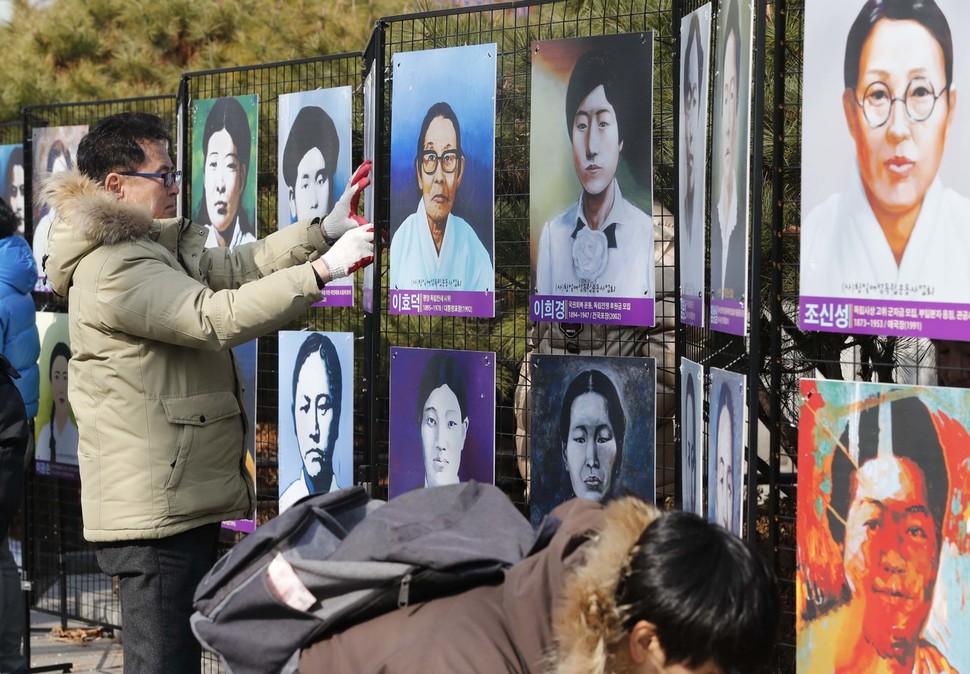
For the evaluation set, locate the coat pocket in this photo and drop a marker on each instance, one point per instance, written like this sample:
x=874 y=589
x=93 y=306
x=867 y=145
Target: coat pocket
x=209 y=439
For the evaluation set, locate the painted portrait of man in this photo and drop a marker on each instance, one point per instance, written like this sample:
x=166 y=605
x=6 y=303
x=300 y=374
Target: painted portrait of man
x=882 y=546
x=316 y=414
x=442 y=418
x=885 y=213
x=729 y=167
x=601 y=243
x=314 y=165
x=725 y=454
x=442 y=154
x=695 y=41
x=593 y=429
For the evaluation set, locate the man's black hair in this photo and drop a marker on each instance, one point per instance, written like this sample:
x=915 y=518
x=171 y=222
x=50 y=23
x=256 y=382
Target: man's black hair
x=710 y=596
x=8 y=220
x=694 y=42
x=914 y=437
x=924 y=12
x=442 y=370
x=595 y=381
x=592 y=69
x=439 y=109
x=112 y=145
x=321 y=345
x=312 y=128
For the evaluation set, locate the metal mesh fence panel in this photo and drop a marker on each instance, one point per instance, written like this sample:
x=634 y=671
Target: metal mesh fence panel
x=269 y=82
x=513 y=27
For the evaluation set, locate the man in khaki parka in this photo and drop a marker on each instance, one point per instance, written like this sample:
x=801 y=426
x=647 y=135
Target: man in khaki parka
x=153 y=382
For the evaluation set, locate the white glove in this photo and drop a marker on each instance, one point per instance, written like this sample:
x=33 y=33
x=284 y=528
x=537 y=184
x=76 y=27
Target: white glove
x=353 y=250
x=343 y=218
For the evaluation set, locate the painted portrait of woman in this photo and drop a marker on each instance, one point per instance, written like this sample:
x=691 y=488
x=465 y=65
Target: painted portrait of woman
x=225 y=148
x=593 y=429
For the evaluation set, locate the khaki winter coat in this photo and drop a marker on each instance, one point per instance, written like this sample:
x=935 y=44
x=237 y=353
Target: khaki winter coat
x=153 y=382
x=555 y=613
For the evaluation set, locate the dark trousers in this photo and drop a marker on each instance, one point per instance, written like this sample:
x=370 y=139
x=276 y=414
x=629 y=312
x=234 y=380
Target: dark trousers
x=157 y=580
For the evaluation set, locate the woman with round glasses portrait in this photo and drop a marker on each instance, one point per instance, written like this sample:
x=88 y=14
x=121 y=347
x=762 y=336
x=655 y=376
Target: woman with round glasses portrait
x=897 y=232
x=226 y=144
x=435 y=249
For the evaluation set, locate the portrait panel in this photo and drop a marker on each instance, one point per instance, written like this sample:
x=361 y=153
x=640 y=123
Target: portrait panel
x=691 y=432
x=591 y=201
x=730 y=164
x=224 y=168
x=885 y=213
x=593 y=431
x=883 y=544
x=442 y=182
x=245 y=355
x=694 y=73
x=56 y=435
x=370 y=143
x=54 y=150
x=12 y=171
x=442 y=427
x=315 y=165
x=316 y=413
x=725 y=452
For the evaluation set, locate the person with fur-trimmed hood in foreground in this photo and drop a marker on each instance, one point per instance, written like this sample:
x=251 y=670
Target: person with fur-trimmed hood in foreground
x=619 y=589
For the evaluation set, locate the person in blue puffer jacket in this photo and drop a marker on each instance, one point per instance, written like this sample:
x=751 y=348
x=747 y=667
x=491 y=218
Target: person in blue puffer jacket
x=19 y=340
x=20 y=347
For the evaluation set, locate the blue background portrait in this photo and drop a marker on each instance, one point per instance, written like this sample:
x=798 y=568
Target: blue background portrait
x=635 y=380
x=5 y=152
x=290 y=462
x=405 y=454
x=735 y=383
x=336 y=103
x=421 y=79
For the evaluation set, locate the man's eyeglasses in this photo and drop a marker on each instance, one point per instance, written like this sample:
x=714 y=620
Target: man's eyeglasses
x=168 y=179
x=449 y=161
x=919 y=101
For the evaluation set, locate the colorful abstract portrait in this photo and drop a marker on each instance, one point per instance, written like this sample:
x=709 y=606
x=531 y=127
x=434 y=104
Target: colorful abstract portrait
x=883 y=547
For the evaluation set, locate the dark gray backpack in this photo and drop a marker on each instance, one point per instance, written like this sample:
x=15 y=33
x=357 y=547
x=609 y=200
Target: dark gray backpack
x=334 y=560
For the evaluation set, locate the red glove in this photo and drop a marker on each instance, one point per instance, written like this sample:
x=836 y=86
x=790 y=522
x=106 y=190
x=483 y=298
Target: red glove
x=343 y=218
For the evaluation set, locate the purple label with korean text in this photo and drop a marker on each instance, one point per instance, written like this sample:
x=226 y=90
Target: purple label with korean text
x=67 y=471
x=935 y=320
x=245 y=526
x=602 y=310
x=442 y=303
x=336 y=296
x=692 y=310
x=728 y=316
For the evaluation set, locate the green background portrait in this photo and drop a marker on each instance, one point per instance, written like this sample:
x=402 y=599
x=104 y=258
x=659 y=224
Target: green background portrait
x=200 y=111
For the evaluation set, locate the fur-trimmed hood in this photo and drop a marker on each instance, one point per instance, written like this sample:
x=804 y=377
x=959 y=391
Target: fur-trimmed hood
x=587 y=624
x=87 y=216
